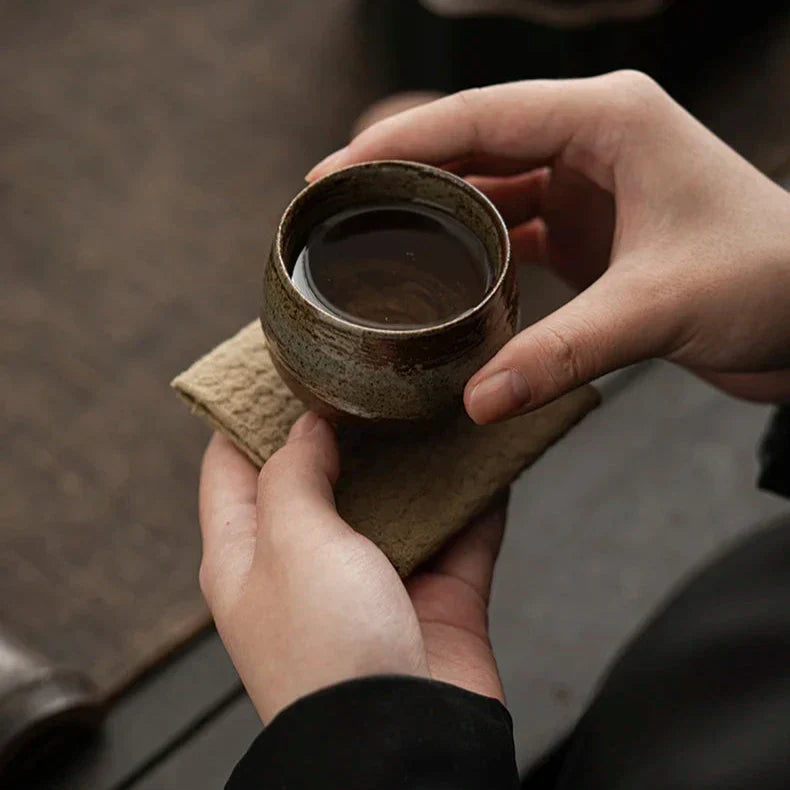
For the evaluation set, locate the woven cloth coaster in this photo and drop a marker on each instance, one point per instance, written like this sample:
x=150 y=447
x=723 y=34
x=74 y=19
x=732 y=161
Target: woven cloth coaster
x=409 y=492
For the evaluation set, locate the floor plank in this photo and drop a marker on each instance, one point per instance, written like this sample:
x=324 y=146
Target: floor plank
x=162 y=709
x=208 y=759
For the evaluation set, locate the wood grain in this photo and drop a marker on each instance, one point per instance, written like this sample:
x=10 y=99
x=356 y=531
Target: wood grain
x=146 y=152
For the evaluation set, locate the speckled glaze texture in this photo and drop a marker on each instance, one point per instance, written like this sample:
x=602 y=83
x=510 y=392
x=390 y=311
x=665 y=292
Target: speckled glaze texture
x=343 y=370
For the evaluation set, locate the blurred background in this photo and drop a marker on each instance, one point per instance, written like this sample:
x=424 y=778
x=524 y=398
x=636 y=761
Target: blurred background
x=146 y=152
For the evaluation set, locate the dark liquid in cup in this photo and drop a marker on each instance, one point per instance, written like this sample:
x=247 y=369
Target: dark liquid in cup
x=393 y=266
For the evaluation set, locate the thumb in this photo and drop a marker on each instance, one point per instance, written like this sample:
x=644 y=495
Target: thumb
x=615 y=322
x=295 y=496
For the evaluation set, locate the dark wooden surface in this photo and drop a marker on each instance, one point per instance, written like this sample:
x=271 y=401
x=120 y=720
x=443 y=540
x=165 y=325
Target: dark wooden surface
x=146 y=152
x=164 y=711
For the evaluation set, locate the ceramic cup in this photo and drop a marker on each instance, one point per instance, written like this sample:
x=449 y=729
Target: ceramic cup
x=347 y=371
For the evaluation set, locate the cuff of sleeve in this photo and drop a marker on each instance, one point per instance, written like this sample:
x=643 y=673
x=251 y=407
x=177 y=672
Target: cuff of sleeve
x=384 y=732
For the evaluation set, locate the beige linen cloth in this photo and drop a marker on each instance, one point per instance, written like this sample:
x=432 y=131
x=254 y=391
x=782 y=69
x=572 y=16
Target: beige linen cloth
x=408 y=493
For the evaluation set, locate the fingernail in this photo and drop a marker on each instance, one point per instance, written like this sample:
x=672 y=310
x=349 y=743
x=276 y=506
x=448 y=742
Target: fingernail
x=498 y=395
x=327 y=164
x=303 y=426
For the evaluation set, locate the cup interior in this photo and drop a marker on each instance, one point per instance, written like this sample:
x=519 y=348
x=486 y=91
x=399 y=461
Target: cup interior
x=384 y=182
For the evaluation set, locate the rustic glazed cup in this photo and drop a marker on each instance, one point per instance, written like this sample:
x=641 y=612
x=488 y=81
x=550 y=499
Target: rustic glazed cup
x=344 y=370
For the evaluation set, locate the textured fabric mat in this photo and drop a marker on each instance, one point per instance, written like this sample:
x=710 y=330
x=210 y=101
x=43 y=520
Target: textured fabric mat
x=408 y=493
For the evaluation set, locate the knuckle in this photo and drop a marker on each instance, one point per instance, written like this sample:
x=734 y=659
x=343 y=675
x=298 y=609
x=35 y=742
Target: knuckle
x=469 y=101
x=270 y=473
x=638 y=93
x=469 y=97
x=564 y=362
x=635 y=81
x=628 y=103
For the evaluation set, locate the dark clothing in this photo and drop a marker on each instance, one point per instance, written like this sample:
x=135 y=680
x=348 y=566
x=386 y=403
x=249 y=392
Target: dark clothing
x=700 y=700
x=775 y=454
x=383 y=733
x=415 y=48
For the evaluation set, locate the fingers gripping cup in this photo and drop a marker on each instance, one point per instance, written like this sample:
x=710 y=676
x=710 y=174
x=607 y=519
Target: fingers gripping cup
x=388 y=285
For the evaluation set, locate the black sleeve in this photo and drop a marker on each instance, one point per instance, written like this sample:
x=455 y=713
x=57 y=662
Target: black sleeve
x=775 y=454
x=384 y=732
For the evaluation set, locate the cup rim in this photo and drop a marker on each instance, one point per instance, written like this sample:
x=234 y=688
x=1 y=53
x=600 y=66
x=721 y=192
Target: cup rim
x=423 y=331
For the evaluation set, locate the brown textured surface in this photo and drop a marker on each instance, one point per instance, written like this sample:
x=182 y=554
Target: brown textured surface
x=407 y=493
x=146 y=153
